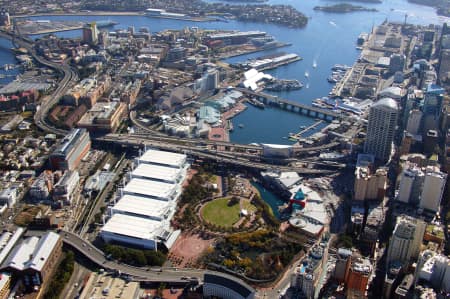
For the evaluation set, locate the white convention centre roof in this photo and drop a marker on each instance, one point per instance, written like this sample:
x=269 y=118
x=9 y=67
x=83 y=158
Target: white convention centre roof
x=149 y=188
x=141 y=206
x=157 y=172
x=163 y=158
x=131 y=226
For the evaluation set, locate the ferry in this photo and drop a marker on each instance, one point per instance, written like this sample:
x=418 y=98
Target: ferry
x=105 y=23
x=256 y=103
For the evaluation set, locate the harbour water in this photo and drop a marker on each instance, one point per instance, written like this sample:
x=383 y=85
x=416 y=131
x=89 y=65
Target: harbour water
x=6 y=57
x=328 y=39
x=271 y=199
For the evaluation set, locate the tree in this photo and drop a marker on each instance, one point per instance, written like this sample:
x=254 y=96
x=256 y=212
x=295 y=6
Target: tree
x=233 y=201
x=228 y=263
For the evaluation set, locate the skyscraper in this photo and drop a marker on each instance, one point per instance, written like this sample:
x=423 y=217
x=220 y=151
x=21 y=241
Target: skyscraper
x=406 y=240
x=381 y=128
x=90 y=34
x=432 y=107
x=410 y=187
x=414 y=121
x=433 y=189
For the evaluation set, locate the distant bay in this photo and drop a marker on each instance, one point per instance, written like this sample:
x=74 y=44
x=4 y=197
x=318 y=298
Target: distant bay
x=328 y=39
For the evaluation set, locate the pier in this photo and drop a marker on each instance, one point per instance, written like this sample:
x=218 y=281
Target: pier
x=299 y=134
x=267 y=99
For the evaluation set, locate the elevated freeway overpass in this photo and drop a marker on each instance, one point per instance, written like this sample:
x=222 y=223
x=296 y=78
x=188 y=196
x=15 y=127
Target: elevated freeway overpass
x=234 y=158
x=156 y=274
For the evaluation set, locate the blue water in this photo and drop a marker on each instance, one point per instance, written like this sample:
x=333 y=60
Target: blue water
x=270 y=198
x=6 y=57
x=328 y=39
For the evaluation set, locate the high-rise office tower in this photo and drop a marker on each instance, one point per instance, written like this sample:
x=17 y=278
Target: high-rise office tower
x=381 y=128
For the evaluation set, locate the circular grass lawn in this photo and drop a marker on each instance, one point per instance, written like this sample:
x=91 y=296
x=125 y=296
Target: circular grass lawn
x=218 y=212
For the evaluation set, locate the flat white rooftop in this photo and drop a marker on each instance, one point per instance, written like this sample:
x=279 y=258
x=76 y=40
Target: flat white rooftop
x=163 y=158
x=147 y=188
x=131 y=226
x=156 y=172
x=142 y=206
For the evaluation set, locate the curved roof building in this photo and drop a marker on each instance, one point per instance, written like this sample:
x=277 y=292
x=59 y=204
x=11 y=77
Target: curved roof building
x=226 y=287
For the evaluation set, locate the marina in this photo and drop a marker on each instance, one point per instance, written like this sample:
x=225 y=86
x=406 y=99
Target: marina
x=339 y=71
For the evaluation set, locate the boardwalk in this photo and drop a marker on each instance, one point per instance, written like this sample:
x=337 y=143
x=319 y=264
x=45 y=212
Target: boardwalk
x=300 y=134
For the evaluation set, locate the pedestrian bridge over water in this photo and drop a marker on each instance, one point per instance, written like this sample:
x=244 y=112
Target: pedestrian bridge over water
x=308 y=110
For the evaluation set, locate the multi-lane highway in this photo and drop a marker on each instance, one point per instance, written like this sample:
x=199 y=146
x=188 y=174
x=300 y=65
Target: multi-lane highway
x=69 y=76
x=215 y=145
x=200 y=150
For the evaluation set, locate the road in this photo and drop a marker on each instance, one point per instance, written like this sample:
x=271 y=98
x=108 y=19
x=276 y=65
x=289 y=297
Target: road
x=246 y=154
x=255 y=148
x=101 y=197
x=227 y=157
x=156 y=274
x=69 y=76
x=140 y=274
x=71 y=290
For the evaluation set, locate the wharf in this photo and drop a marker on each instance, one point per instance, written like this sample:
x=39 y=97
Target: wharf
x=181 y=18
x=299 y=134
x=275 y=65
x=364 y=79
x=337 y=89
x=46 y=26
x=239 y=52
